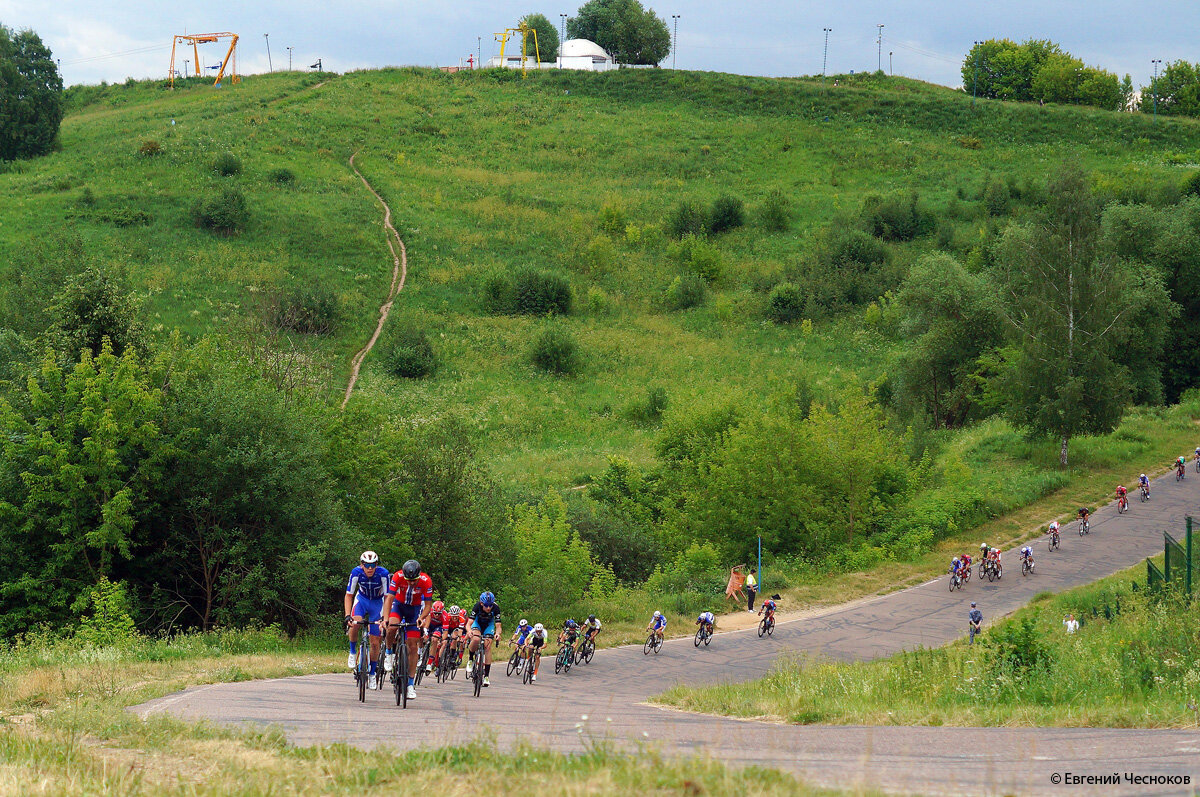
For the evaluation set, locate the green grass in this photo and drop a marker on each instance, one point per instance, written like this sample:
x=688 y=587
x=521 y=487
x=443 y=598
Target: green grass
x=490 y=173
x=1134 y=663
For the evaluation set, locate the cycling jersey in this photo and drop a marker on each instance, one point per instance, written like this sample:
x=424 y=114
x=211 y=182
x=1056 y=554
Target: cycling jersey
x=523 y=634
x=1144 y=479
x=706 y=617
x=437 y=620
x=659 y=623
x=485 y=621
x=537 y=640
x=371 y=587
x=769 y=606
x=410 y=593
x=594 y=625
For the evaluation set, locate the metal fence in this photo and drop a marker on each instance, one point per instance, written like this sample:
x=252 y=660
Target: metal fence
x=1180 y=568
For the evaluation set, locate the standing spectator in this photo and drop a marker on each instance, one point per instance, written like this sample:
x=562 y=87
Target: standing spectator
x=1071 y=623
x=976 y=620
x=751 y=589
x=734 y=588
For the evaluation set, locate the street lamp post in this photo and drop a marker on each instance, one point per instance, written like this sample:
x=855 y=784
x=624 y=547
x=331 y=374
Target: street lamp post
x=825 y=57
x=289 y=59
x=562 y=37
x=879 y=57
x=479 y=51
x=674 y=39
x=1154 y=86
x=185 y=67
x=890 y=70
x=270 y=67
x=975 y=74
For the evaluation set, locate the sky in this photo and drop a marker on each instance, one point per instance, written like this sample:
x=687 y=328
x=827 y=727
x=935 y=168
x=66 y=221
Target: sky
x=925 y=40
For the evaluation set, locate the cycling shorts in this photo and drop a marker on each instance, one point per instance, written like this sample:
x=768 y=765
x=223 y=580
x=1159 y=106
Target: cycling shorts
x=436 y=630
x=369 y=609
x=487 y=629
x=410 y=615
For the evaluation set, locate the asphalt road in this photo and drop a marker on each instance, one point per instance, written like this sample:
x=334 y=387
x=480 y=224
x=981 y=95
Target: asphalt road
x=605 y=700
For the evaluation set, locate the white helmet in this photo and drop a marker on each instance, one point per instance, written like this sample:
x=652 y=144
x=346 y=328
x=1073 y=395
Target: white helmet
x=539 y=628
x=523 y=623
x=657 y=613
x=1142 y=476
x=1053 y=524
x=369 y=558
x=454 y=609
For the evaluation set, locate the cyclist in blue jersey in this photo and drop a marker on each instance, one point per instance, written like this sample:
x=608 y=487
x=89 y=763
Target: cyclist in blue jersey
x=657 y=624
x=521 y=638
x=708 y=620
x=485 y=627
x=364 y=601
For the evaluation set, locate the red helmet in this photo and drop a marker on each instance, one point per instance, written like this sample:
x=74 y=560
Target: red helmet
x=438 y=606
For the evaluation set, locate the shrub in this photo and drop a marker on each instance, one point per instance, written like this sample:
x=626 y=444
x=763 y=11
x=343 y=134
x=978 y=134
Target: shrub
x=556 y=351
x=410 y=355
x=598 y=302
x=775 y=212
x=650 y=409
x=282 y=176
x=125 y=217
x=701 y=257
x=1191 y=184
x=150 y=148
x=539 y=293
x=87 y=198
x=688 y=218
x=612 y=218
x=786 y=303
x=498 y=293
x=997 y=197
x=686 y=291
x=227 y=164
x=896 y=217
x=109 y=623
x=311 y=310
x=727 y=214
x=223 y=212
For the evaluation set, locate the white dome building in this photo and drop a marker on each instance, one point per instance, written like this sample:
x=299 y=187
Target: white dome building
x=584 y=54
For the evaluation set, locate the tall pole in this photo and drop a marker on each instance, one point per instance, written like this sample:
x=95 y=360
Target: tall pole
x=890 y=71
x=289 y=59
x=879 y=41
x=185 y=69
x=759 y=569
x=562 y=37
x=270 y=68
x=479 y=50
x=674 y=39
x=1154 y=86
x=825 y=57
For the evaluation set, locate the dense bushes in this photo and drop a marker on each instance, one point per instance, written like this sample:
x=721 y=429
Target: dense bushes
x=223 y=212
x=409 y=354
x=227 y=164
x=786 y=303
x=282 y=176
x=775 y=212
x=688 y=218
x=727 y=214
x=528 y=293
x=691 y=219
x=688 y=290
x=310 y=310
x=896 y=217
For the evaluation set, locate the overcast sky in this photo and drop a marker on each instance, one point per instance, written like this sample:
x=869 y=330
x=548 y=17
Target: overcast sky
x=121 y=38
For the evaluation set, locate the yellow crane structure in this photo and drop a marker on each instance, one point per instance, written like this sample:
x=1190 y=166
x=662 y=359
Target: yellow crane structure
x=524 y=30
x=196 y=39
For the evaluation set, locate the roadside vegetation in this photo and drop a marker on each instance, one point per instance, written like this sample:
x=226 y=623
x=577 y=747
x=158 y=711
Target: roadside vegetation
x=606 y=376
x=1135 y=662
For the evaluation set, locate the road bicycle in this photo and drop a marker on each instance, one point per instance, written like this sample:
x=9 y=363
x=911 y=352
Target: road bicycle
x=654 y=644
x=477 y=671
x=400 y=670
x=966 y=572
x=956 y=582
x=515 y=662
x=767 y=626
x=587 y=649
x=535 y=656
x=1145 y=491
x=1053 y=544
x=703 y=634
x=362 y=663
x=1122 y=505
x=995 y=571
x=422 y=660
x=1197 y=461
x=1026 y=566
x=1085 y=526
x=564 y=659
x=1180 y=472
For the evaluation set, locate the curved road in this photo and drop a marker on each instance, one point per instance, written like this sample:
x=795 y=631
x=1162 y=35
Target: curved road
x=604 y=700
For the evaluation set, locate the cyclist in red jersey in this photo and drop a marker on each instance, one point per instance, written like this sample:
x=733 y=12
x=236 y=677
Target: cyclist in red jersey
x=409 y=599
x=435 y=626
x=451 y=628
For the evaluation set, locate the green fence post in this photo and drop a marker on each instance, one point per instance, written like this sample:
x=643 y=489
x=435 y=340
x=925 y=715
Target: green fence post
x=1166 y=557
x=1188 y=578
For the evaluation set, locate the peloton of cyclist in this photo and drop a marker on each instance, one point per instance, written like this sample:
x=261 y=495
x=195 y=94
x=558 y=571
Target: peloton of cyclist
x=1027 y=556
x=708 y=621
x=485 y=627
x=657 y=624
x=364 y=601
x=409 y=600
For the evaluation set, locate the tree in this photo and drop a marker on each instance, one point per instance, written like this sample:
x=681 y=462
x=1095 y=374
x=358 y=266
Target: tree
x=31 y=101
x=547 y=36
x=1065 y=304
x=1177 y=90
x=631 y=33
x=554 y=566
x=952 y=319
x=1127 y=102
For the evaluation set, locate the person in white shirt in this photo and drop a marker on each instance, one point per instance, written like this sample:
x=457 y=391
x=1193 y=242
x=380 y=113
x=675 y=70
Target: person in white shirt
x=1071 y=623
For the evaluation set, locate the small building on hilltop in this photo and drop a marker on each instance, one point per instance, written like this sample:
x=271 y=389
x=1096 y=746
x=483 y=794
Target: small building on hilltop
x=574 y=54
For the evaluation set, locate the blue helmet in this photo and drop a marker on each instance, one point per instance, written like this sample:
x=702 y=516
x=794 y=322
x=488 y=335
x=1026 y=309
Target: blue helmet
x=487 y=598
x=572 y=624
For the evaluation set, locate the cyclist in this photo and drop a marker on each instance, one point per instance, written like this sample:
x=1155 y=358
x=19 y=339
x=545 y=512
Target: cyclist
x=537 y=641
x=1053 y=531
x=1121 y=496
x=569 y=635
x=453 y=627
x=591 y=627
x=955 y=565
x=993 y=555
x=966 y=564
x=1084 y=515
x=768 y=608
x=1027 y=556
x=364 y=600
x=409 y=600
x=1181 y=466
x=1145 y=484
x=657 y=624
x=485 y=627
x=434 y=631
x=521 y=637
x=708 y=621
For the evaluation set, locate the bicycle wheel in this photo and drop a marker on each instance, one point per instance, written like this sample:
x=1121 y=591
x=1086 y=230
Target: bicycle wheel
x=513 y=662
x=589 y=650
x=422 y=659
x=658 y=643
x=699 y=637
x=771 y=627
x=361 y=666
x=477 y=672
x=762 y=626
x=763 y=629
x=646 y=648
x=708 y=635
x=999 y=571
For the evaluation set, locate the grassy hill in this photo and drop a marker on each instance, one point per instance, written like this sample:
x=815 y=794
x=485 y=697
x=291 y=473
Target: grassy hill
x=487 y=173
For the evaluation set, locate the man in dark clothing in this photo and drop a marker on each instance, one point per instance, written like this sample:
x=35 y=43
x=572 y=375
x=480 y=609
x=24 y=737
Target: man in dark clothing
x=975 y=619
